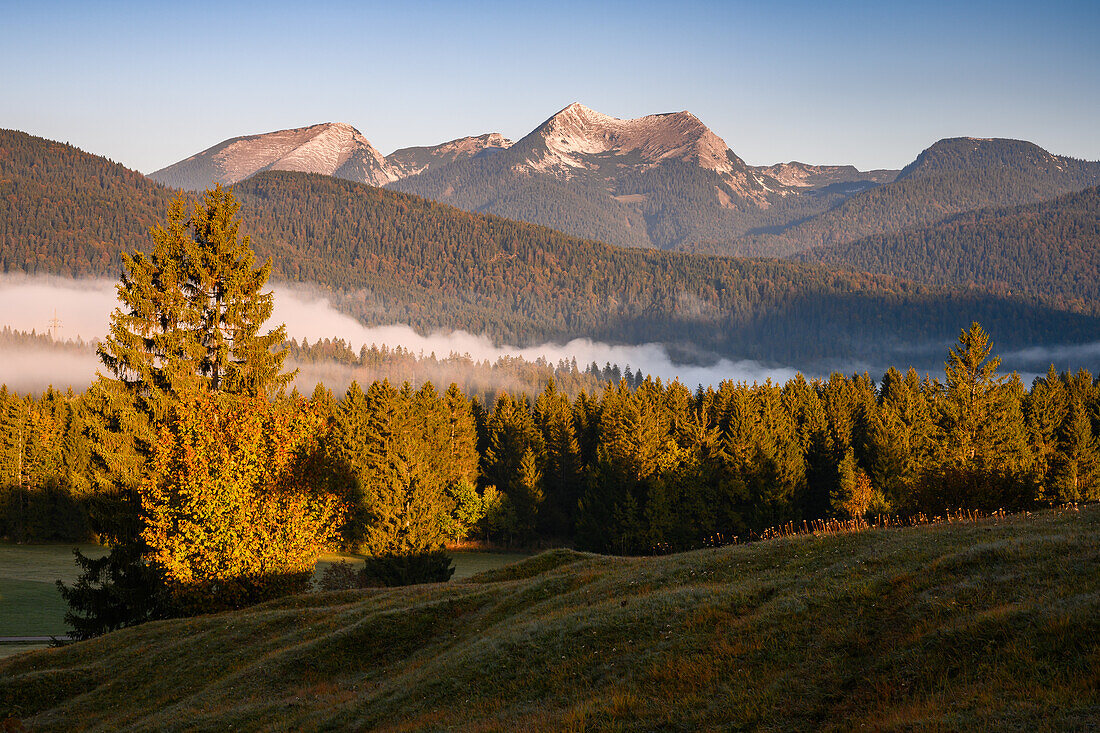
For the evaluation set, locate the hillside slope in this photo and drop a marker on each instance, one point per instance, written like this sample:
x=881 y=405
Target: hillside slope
x=950 y=177
x=67 y=212
x=1049 y=249
x=992 y=625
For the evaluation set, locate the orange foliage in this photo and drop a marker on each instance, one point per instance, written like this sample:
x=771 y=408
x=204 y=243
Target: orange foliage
x=231 y=516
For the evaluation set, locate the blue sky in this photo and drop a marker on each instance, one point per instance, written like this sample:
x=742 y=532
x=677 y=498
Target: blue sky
x=867 y=83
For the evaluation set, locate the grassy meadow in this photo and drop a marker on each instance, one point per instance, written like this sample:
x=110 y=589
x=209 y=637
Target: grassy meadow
x=986 y=625
x=31 y=606
x=29 y=602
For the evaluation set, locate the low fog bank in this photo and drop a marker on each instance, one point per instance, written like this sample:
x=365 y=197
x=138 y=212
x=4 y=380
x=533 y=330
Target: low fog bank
x=316 y=319
x=29 y=302
x=1073 y=357
x=84 y=307
x=30 y=370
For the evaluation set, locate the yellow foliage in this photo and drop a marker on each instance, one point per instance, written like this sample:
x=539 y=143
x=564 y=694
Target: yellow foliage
x=230 y=512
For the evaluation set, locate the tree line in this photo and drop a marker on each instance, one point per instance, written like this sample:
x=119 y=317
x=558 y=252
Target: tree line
x=634 y=465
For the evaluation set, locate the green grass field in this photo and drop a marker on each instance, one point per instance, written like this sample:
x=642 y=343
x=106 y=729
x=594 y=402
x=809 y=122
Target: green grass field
x=993 y=625
x=31 y=606
x=29 y=602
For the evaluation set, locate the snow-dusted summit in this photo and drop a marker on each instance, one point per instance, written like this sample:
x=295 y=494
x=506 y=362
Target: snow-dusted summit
x=332 y=148
x=579 y=140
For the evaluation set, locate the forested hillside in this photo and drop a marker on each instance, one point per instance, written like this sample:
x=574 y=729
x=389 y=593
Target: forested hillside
x=952 y=176
x=435 y=267
x=1049 y=249
x=63 y=211
x=392 y=257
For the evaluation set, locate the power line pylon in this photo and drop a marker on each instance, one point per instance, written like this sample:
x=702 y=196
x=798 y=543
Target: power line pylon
x=55 y=326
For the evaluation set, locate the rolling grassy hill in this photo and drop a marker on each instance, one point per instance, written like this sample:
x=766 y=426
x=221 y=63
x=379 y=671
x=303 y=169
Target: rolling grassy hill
x=989 y=625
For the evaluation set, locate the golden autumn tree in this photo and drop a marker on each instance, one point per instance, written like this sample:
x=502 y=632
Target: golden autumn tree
x=231 y=513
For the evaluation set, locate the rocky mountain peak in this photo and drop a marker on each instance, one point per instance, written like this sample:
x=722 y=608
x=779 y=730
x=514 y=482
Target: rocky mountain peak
x=578 y=131
x=413 y=161
x=330 y=148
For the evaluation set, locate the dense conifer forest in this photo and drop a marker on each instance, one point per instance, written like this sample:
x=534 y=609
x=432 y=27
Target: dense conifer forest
x=636 y=465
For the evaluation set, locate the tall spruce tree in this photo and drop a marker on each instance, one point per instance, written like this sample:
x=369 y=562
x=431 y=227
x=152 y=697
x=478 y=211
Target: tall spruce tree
x=1046 y=408
x=189 y=322
x=561 y=465
x=1076 y=470
x=985 y=460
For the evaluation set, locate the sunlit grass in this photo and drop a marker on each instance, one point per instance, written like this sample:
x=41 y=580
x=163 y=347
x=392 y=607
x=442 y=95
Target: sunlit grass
x=979 y=625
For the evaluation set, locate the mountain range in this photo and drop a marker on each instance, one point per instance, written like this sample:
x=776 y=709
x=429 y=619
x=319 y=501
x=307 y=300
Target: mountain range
x=657 y=181
x=664 y=181
x=387 y=257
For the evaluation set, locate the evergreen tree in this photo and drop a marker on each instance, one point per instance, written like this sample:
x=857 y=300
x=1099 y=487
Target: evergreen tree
x=901 y=438
x=461 y=438
x=561 y=465
x=189 y=322
x=804 y=403
x=984 y=456
x=512 y=434
x=1076 y=469
x=1046 y=409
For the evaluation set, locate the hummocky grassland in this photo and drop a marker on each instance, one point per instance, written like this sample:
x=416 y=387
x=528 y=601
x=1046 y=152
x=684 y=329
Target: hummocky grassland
x=987 y=625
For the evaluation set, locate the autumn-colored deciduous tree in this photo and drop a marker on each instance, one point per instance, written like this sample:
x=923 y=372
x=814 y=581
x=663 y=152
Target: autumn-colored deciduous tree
x=231 y=516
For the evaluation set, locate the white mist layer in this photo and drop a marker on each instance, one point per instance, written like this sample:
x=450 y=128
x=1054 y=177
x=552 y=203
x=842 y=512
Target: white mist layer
x=84 y=308
x=30 y=370
x=1061 y=356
